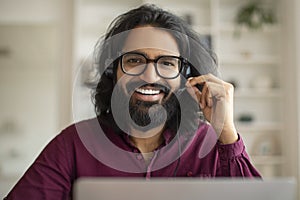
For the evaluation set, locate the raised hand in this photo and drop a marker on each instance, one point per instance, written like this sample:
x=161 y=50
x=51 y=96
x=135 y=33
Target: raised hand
x=216 y=103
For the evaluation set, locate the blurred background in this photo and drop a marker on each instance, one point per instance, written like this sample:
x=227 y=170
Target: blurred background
x=44 y=45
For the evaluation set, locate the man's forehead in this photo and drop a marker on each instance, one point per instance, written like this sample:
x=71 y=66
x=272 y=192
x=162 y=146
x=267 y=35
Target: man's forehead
x=150 y=38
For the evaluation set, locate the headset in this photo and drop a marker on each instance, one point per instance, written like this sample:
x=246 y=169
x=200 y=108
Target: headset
x=190 y=71
x=109 y=72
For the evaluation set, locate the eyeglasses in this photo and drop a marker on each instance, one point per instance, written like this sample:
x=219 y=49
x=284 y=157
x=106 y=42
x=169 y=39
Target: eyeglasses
x=135 y=64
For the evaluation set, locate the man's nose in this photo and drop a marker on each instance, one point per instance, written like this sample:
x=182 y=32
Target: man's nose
x=150 y=75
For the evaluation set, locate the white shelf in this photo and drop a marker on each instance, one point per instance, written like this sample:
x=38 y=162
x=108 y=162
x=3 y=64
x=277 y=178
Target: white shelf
x=231 y=28
x=257 y=93
x=257 y=127
x=248 y=59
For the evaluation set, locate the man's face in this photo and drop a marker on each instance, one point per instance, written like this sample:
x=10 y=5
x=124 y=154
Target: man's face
x=148 y=88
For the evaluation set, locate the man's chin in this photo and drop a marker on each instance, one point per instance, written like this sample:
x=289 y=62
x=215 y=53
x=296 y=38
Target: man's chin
x=140 y=111
x=151 y=114
x=142 y=107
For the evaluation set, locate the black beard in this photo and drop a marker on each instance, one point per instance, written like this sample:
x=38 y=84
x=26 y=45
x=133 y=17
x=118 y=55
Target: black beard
x=141 y=114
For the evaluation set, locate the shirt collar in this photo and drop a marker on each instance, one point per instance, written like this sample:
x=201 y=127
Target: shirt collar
x=167 y=134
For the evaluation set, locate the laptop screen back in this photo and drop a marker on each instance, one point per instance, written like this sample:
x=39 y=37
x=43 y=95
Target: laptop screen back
x=184 y=189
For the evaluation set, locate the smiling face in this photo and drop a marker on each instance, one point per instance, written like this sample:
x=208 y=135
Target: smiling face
x=152 y=43
x=148 y=88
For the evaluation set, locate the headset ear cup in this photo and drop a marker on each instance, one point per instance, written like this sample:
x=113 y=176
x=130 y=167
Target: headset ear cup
x=186 y=70
x=109 y=72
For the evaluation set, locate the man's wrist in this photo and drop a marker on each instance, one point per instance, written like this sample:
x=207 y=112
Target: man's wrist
x=228 y=136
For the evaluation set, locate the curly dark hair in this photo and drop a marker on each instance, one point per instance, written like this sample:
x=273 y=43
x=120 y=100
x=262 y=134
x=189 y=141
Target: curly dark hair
x=189 y=43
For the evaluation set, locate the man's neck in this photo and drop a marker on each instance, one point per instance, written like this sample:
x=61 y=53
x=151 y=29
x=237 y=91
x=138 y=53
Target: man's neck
x=147 y=141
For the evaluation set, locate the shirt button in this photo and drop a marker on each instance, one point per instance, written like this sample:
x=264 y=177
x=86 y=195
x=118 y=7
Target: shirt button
x=223 y=158
x=139 y=157
x=221 y=149
x=224 y=168
x=135 y=150
x=189 y=174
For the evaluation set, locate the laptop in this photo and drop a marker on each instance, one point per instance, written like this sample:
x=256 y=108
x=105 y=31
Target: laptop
x=184 y=189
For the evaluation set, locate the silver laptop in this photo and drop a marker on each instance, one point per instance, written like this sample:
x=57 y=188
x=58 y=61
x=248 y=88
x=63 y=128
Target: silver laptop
x=184 y=189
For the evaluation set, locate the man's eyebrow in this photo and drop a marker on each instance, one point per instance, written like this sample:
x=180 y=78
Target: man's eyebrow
x=147 y=55
x=138 y=51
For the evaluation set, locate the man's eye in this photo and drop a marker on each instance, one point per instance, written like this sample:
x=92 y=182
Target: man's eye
x=166 y=63
x=134 y=61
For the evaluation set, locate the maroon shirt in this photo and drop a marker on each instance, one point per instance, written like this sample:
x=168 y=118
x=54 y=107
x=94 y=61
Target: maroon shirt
x=82 y=151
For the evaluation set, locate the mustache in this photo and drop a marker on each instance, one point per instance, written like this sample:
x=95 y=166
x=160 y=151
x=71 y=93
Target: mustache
x=131 y=86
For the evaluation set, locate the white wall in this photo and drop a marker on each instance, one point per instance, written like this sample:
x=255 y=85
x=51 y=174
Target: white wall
x=29 y=11
x=297 y=56
x=35 y=75
x=291 y=72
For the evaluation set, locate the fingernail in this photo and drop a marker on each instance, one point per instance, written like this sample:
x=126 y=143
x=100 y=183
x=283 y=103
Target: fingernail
x=201 y=106
x=187 y=84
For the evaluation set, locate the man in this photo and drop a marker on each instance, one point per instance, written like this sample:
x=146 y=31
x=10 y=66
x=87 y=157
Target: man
x=156 y=77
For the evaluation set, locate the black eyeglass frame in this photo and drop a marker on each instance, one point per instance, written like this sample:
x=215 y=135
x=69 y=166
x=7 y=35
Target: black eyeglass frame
x=183 y=62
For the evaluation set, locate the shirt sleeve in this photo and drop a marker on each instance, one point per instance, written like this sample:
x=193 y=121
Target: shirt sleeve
x=234 y=160
x=49 y=177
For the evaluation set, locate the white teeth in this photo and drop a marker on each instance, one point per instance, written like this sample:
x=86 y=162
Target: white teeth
x=147 y=91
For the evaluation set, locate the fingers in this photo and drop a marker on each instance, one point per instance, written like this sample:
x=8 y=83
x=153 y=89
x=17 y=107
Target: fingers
x=210 y=93
x=204 y=98
x=216 y=102
x=213 y=89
